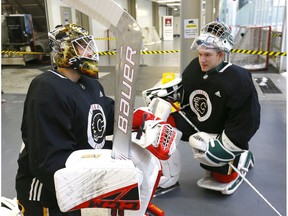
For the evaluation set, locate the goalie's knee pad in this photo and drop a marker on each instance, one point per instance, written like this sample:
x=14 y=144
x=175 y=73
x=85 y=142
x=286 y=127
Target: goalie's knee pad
x=170 y=170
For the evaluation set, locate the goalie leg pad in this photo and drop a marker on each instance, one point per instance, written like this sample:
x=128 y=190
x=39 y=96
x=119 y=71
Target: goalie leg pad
x=171 y=91
x=246 y=161
x=92 y=179
x=160 y=108
x=150 y=167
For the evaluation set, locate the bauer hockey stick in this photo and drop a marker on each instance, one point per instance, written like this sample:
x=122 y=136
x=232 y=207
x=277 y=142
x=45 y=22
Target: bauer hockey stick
x=232 y=166
x=128 y=44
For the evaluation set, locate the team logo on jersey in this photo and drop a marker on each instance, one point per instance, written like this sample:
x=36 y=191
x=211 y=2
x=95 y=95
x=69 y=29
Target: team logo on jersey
x=200 y=104
x=96 y=126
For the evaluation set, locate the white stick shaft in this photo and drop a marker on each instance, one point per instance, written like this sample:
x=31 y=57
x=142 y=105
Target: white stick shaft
x=185 y=117
x=250 y=184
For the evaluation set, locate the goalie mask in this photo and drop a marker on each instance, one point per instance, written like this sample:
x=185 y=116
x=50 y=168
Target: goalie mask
x=214 y=35
x=73 y=47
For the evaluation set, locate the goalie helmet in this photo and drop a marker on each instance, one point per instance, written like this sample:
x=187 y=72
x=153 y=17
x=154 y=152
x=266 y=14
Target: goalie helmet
x=73 y=47
x=214 y=35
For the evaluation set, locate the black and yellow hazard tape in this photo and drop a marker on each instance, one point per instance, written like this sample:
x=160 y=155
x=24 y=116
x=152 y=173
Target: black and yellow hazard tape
x=160 y=52
x=259 y=52
x=105 y=53
x=276 y=34
x=153 y=52
x=7 y=52
x=105 y=38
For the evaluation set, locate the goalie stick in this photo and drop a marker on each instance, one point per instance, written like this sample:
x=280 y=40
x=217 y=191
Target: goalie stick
x=128 y=43
x=231 y=165
x=252 y=186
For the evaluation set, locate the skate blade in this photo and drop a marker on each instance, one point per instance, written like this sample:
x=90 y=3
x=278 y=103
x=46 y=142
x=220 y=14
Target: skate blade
x=166 y=190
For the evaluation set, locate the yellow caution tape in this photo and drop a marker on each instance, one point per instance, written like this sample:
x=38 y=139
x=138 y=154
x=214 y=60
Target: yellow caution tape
x=276 y=34
x=153 y=52
x=107 y=53
x=22 y=53
x=160 y=52
x=105 y=38
x=259 y=52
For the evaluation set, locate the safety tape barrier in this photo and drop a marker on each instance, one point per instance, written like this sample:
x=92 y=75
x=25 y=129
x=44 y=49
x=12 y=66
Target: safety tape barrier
x=152 y=52
x=259 y=52
x=113 y=38
x=22 y=53
x=105 y=38
x=276 y=34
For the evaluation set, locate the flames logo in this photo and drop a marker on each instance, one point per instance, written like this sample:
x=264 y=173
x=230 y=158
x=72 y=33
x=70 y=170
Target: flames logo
x=96 y=126
x=200 y=104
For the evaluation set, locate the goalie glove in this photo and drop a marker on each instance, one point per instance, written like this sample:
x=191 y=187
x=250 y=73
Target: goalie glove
x=213 y=152
x=171 y=92
x=154 y=134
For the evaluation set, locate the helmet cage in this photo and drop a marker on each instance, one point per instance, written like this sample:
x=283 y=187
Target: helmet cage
x=208 y=41
x=85 y=47
x=215 y=35
x=73 y=47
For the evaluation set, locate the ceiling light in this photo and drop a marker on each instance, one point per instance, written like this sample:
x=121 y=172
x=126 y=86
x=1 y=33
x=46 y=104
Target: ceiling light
x=173 y=4
x=167 y=1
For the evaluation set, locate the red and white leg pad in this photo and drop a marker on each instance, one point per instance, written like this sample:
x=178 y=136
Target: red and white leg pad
x=92 y=179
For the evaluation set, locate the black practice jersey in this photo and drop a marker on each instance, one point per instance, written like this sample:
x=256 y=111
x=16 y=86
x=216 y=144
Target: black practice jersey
x=59 y=117
x=222 y=100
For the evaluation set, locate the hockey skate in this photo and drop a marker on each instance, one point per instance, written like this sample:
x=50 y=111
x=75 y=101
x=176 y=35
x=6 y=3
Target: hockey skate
x=246 y=161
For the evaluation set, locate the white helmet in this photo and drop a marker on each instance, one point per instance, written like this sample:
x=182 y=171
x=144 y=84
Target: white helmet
x=214 y=35
x=9 y=207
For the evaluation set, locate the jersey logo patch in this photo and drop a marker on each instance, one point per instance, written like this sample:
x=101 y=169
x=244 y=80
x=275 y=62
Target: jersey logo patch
x=96 y=126
x=200 y=104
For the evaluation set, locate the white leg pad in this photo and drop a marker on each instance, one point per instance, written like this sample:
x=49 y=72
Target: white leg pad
x=246 y=161
x=91 y=176
x=150 y=167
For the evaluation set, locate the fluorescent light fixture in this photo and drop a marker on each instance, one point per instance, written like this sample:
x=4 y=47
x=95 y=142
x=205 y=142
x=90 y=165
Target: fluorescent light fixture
x=167 y=1
x=173 y=4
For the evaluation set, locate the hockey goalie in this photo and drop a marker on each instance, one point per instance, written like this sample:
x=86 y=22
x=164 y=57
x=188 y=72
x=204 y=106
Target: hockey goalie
x=219 y=112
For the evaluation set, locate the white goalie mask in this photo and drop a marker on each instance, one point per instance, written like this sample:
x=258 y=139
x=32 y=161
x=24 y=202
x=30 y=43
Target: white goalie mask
x=214 y=35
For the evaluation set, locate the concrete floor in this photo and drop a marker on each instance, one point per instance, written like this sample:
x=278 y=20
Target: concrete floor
x=268 y=145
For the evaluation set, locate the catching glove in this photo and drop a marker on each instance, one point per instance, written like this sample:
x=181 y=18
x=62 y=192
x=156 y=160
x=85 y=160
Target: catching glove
x=213 y=152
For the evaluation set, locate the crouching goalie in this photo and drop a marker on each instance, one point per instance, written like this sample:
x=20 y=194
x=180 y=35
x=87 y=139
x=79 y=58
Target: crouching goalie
x=219 y=111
